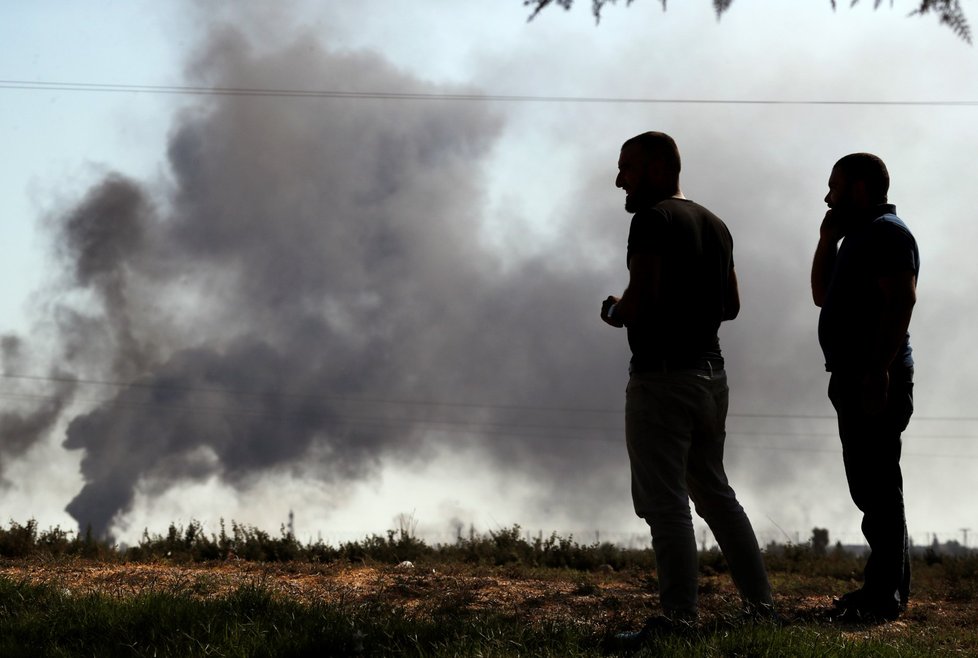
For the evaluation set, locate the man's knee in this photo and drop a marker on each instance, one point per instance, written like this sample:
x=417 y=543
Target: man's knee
x=664 y=523
x=716 y=502
x=879 y=502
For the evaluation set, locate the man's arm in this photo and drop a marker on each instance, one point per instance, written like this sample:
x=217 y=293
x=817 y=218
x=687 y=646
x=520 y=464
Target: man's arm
x=642 y=293
x=899 y=296
x=731 y=298
x=823 y=264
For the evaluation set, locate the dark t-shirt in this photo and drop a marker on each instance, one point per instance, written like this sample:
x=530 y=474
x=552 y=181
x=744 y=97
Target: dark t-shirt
x=697 y=259
x=851 y=312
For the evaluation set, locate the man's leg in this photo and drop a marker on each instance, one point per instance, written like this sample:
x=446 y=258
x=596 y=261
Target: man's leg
x=716 y=501
x=657 y=432
x=899 y=411
x=871 y=454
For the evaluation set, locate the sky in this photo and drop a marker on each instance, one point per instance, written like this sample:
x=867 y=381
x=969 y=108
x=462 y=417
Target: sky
x=364 y=288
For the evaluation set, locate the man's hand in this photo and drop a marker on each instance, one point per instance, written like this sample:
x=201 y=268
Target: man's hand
x=876 y=386
x=832 y=230
x=607 y=313
x=833 y=227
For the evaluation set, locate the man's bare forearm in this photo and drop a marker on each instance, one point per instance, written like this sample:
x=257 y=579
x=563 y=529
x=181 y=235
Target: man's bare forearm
x=822 y=266
x=830 y=232
x=642 y=294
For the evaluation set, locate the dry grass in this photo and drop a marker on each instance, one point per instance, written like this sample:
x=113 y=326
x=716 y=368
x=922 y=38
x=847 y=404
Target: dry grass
x=600 y=601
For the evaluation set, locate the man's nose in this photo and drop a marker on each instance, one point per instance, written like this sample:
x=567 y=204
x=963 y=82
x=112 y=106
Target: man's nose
x=618 y=181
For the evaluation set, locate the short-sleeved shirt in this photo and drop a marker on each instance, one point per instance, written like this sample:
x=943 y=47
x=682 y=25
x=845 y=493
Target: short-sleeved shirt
x=696 y=253
x=852 y=310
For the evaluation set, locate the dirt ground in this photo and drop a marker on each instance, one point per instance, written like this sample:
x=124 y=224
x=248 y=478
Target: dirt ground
x=602 y=600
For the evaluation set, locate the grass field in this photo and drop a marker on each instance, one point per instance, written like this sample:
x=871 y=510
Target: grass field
x=450 y=601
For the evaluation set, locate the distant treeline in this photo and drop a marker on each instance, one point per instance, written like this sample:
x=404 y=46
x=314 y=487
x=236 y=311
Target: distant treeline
x=510 y=546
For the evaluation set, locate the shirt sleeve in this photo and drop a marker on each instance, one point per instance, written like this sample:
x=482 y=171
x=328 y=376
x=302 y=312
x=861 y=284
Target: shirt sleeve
x=896 y=250
x=647 y=232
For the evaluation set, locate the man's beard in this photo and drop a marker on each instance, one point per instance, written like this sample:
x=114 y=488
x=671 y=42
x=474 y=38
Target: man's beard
x=844 y=211
x=630 y=205
x=642 y=200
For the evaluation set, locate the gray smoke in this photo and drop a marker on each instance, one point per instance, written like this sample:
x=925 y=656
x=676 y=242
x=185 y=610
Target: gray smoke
x=32 y=410
x=312 y=283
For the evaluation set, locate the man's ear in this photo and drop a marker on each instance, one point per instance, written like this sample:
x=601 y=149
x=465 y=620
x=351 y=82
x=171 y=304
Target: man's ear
x=654 y=171
x=859 y=194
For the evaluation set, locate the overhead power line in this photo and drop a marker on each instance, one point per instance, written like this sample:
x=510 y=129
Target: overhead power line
x=309 y=394
x=499 y=430
x=249 y=405
x=430 y=404
x=190 y=90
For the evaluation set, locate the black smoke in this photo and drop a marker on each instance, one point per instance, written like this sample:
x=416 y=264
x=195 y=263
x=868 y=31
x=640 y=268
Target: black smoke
x=312 y=282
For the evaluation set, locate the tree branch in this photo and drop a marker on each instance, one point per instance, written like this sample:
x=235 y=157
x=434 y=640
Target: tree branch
x=949 y=12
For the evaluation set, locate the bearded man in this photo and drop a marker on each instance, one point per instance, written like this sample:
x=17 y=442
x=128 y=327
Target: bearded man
x=681 y=286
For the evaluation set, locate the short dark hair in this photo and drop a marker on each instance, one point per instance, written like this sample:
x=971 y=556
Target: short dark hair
x=869 y=169
x=660 y=146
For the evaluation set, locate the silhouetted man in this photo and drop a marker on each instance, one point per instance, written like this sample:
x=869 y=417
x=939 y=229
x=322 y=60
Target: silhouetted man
x=681 y=286
x=867 y=289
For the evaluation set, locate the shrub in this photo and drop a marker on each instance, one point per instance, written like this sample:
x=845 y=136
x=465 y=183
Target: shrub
x=19 y=541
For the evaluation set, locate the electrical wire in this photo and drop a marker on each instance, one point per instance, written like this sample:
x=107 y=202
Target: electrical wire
x=382 y=419
x=93 y=87
x=324 y=396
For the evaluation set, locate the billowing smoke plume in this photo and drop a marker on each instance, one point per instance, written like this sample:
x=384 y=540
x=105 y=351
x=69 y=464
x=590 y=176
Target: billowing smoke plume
x=312 y=284
x=31 y=412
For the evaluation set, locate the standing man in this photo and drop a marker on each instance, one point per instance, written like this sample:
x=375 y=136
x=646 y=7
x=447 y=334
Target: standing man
x=866 y=289
x=681 y=286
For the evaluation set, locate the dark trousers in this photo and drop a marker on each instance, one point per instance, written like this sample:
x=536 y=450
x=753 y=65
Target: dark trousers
x=871 y=447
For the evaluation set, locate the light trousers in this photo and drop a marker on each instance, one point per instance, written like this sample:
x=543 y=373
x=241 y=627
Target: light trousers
x=675 y=430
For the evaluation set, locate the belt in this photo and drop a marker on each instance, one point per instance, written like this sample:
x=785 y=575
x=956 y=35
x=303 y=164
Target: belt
x=676 y=365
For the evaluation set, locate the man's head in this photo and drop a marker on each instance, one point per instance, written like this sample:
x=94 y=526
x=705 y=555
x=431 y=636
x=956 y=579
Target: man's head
x=858 y=181
x=648 y=170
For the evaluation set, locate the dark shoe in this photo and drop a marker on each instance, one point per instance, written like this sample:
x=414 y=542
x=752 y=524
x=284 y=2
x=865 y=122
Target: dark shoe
x=859 y=598
x=854 y=598
x=859 y=608
x=864 y=615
